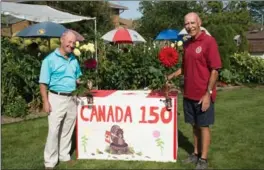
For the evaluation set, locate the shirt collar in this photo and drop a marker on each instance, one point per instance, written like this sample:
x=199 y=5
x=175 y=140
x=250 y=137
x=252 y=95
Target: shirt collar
x=200 y=37
x=57 y=52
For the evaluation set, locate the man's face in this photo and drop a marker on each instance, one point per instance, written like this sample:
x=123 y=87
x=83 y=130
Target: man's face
x=68 y=42
x=192 y=24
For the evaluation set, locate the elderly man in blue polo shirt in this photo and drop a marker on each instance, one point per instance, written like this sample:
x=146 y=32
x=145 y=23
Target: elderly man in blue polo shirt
x=60 y=72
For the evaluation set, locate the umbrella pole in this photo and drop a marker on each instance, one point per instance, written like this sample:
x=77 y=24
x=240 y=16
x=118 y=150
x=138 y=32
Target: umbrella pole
x=96 y=55
x=49 y=43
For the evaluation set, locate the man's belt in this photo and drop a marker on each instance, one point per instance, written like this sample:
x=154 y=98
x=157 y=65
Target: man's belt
x=61 y=93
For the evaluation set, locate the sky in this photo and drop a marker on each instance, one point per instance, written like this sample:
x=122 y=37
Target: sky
x=132 y=12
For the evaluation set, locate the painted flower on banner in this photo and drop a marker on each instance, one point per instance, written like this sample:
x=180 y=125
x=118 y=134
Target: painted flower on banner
x=158 y=140
x=156 y=134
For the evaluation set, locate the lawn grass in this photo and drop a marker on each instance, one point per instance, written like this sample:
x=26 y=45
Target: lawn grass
x=237 y=139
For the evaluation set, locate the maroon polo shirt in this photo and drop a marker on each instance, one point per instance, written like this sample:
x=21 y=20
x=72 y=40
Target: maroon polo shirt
x=201 y=55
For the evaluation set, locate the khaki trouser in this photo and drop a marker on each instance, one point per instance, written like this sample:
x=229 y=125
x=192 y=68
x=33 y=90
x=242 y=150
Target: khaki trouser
x=61 y=125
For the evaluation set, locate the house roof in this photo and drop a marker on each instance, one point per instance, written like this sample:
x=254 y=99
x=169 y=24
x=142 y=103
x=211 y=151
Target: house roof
x=127 y=22
x=255 y=26
x=10 y=19
x=116 y=6
x=255 y=34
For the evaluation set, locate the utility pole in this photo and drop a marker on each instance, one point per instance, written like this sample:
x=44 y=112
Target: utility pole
x=261 y=22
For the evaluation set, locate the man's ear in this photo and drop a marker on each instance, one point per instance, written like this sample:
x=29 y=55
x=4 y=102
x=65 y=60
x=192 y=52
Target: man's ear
x=61 y=39
x=199 y=22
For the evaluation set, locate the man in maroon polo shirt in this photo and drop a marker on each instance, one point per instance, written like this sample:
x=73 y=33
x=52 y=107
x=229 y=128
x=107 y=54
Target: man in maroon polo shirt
x=201 y=62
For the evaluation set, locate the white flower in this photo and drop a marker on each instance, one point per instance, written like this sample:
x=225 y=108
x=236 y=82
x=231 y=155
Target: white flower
x=76 y=52
x=90 y=47
x=77 y=44
x=172 y=45
x=179 y=43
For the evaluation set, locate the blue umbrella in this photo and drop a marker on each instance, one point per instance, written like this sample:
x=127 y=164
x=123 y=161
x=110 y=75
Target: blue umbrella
x=43 y=29
x=169 y=34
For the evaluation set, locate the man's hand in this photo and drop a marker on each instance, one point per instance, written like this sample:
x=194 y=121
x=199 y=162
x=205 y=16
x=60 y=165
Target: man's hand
x=170 y=76
x=205 y=101
x=89 y=84
x=47 y=107
x=175 y=74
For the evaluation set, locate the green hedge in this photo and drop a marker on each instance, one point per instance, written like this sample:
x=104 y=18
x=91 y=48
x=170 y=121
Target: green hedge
x=136 y=69
x=244 y=69
x=20 y=71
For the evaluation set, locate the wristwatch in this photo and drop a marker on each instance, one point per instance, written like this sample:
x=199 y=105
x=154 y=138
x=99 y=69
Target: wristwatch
x=209 y=91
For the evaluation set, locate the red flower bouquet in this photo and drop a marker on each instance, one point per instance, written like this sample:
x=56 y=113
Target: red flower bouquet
x=168 y=56
x=90 y=63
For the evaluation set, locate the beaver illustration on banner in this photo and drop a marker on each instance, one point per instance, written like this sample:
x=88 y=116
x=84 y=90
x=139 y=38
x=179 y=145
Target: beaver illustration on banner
x=116 y=139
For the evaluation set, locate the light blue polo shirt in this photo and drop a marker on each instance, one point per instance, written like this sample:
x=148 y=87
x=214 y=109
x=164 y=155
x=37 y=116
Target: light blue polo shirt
x=59 y=73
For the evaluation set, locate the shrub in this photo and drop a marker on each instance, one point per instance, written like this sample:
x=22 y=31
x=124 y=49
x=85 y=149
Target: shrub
x=16 y=107
x=20 y=72
x=244 y=69
x=135 y=69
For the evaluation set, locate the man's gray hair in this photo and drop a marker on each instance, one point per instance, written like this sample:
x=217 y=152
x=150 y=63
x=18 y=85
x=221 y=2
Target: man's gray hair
x=67 y=31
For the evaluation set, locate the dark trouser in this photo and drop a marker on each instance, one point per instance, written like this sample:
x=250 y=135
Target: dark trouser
x=193 y=113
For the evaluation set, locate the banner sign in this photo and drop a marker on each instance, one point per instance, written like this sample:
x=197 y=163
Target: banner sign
x=127 y=125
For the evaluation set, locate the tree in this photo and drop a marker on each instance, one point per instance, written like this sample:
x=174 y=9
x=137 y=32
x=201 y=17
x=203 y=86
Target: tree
x=224 y=20
x=256 y=9
x=159 y=15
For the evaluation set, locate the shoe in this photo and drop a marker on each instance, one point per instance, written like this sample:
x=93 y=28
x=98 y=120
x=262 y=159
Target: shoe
x=48 y=168
x=191 y=159
x=70 y=162
x=202 y=164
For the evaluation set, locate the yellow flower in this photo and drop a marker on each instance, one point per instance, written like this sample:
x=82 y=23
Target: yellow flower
x=77 y=44
x=81 y=48
x=179 y=43
x=172 y=45
x=76 y=52
x=27 y=42
x=90 y=47
x=86 y=47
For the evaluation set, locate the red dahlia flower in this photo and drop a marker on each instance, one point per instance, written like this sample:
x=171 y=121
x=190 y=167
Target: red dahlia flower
x=168 y=56
x=90 y=63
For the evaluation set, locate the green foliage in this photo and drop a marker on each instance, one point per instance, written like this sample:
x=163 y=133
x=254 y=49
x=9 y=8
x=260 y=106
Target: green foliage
x=20 y=73
x=256 y=9
x=224 y=35
x=244 y=69
x=16 y=108
x=135 y=69
x=223 y=20
x=159 y=15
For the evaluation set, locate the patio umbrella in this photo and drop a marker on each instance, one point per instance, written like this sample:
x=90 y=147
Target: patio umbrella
x=46 y=30
x=184 y=32
x=123 y=35
x=169 y=34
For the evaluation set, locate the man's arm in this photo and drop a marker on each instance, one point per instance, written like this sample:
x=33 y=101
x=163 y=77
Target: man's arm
x=79 y=82
x=175 y=74
x=178 y=72
x=44 y=80
x=44 y=95
x=214 y=63
x=212 y=80
x=43 y=92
